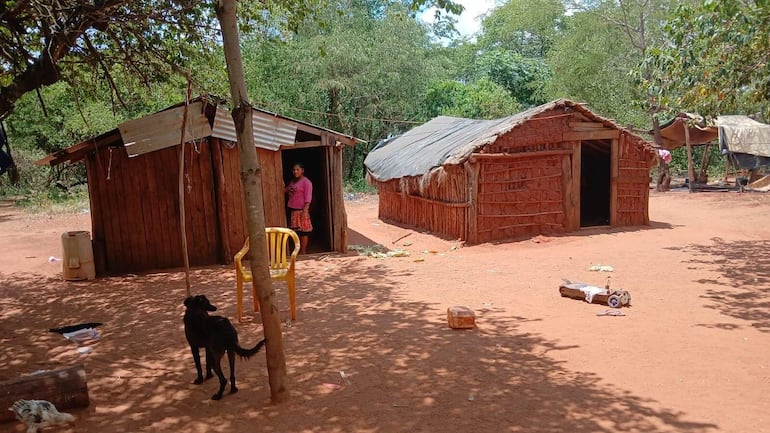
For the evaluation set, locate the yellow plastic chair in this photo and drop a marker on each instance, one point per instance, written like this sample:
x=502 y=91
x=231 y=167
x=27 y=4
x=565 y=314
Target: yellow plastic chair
x=281 y=262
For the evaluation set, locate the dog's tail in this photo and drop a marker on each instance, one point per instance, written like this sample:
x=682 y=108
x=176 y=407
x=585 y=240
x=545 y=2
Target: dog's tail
x=248 y=353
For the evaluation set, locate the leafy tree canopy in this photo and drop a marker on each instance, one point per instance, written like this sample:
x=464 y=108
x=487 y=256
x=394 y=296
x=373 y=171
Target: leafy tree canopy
x=715 y=60
x=483 y=99
x=526 y=27
x=45 y=41
x=591 y=64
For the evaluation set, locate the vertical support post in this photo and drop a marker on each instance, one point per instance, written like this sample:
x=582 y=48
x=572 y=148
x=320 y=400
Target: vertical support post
x=690 y=168
x=614 y=170
x=576 y=175
x=472 y=211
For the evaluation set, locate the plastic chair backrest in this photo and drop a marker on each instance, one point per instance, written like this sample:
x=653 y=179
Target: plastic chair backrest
x=277 y=239
x=277 y=242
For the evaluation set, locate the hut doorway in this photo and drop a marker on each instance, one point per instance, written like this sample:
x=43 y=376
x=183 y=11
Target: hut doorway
x=595 y=157
x=314 y=159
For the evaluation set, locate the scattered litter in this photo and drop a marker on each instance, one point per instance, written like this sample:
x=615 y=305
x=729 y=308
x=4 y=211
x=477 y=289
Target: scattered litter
x=402 y=237
x=614 y=298
x=419 y=259
x=453 y=248
x=471 y=397
x=406 y=244
x=53 y=259
x=400 y=405
x=82 y=336
x=377 y=251
x=394 y=253
x=73 y=328
x=332 y=386
x=601 y=268
x=610 y=312
x=344 y=378
x=84 y=349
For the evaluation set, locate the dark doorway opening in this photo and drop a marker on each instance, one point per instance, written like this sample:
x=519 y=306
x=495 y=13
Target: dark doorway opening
x=314 y=160
x=595 y=157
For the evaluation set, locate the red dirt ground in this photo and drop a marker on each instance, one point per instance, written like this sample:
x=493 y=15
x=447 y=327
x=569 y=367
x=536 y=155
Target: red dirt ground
x=692 y=354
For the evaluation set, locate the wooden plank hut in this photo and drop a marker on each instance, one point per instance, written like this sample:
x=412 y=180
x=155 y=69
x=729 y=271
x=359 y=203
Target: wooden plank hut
x=133 y=185
x=551 y=169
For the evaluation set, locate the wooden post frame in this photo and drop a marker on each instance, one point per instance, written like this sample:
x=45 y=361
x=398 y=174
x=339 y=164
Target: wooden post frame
x=690 y=168
x=472 y=212
x=614 y=161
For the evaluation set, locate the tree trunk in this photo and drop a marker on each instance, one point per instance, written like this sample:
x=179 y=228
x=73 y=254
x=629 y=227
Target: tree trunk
x=664 y=178
x=251 y=176
x=703 y=175
x=690 y=168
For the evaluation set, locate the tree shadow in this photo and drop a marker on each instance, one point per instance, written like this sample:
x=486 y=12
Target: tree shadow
x=407 y=370
x=742 y=290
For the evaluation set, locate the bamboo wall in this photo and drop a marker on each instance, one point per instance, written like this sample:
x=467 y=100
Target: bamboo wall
x=437 y=203
x=632 y=184
x=526 y=182
x=519 y=197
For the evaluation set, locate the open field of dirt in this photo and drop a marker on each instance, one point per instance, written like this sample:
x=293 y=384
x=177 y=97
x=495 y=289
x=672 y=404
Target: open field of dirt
x=692 y=353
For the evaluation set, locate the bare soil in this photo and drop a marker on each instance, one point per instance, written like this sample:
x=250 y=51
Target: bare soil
x=692 y=353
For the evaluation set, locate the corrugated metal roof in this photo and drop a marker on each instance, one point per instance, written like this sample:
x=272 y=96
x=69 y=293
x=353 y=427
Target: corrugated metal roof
x=164 y=129
x=427 y=146
x=270 y=132
x=451 y=140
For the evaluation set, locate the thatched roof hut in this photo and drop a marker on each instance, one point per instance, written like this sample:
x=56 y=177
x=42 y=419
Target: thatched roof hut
x=551 y=169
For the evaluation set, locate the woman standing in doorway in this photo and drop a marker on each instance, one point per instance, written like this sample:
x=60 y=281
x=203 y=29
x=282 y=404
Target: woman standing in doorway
x=300 y=192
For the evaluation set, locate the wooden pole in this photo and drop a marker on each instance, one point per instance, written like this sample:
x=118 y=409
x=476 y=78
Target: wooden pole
x=690 y=168
x=182 y=225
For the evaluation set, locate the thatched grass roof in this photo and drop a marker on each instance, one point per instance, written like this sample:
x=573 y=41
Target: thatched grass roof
x=448 y=140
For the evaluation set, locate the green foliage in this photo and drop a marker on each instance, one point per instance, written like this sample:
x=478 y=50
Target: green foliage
x=525 y=27
x=591 y=64
x=524 y=78
x=362 y=72
x=483 y=99
x=715 y=60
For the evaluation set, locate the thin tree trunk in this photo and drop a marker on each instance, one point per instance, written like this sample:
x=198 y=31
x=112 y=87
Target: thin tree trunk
x=664 y=177
x=251 y=176
x=703 y=175
x=182 y=219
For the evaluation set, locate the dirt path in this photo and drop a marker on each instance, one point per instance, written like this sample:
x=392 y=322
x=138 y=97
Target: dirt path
x=690 y=355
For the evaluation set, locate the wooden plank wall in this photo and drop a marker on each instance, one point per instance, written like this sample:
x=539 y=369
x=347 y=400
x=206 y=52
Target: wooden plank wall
x=231 y=205
x=136 y=226
x=229 y=189
x=134 y=202
x=273 y=198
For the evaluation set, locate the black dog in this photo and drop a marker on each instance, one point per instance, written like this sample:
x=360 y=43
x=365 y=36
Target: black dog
x=217 y=335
